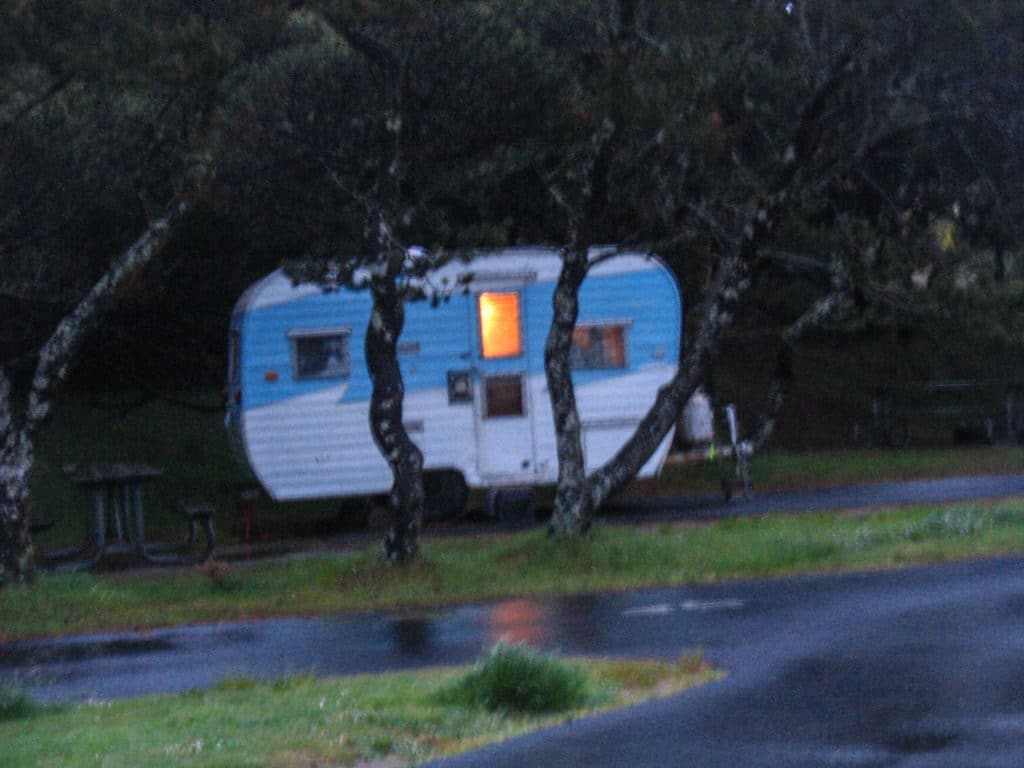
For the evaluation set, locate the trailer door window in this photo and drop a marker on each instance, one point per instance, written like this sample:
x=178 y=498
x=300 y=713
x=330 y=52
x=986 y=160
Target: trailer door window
x=598 y=346
x=320 y=354
x=500 y=330
x=503 y=396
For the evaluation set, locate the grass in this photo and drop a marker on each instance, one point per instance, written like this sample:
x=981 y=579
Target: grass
x=383 y=720
x=192 y=447
x=491 y=566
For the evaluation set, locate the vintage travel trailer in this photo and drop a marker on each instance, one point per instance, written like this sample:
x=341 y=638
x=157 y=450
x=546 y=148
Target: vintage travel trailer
x=476 y=399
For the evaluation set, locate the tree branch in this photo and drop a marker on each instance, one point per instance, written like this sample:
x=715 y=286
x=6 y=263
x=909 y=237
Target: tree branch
x=783 y=378
x=56 y=87
x=56 y=354
x=372 y=49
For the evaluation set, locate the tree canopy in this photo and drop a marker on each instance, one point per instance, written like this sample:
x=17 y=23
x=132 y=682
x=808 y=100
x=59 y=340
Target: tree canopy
x=823 y=165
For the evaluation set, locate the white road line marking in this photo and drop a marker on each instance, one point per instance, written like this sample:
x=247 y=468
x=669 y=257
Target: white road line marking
x=728 y=604
x=658 y=609
x=700 y=606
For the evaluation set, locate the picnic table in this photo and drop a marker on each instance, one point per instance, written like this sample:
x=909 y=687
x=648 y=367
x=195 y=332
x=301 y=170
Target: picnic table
x=974 y=408
x=114 y=504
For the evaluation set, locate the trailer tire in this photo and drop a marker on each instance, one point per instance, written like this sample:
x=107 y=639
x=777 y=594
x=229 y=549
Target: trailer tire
x=445 y=494
x=513 y=507
x=357 y=512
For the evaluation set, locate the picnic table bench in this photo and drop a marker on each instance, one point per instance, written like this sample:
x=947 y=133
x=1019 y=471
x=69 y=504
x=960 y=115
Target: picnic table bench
x=114 y=505
x=972 y=408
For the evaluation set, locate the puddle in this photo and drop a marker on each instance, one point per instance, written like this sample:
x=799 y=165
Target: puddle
x=923 y=740
x=22 y=655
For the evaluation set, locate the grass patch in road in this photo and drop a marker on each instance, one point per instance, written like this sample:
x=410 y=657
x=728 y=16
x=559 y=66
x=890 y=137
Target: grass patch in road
x=492 y=566
x=393 y=719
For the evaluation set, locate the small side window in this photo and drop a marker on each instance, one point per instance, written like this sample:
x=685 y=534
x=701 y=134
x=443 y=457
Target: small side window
x=320 y=354
x=596 y=347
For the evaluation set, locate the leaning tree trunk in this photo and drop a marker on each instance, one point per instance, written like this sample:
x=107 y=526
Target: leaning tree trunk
x=731 y=282
x=55 y=358
x=405 y=459
x=572 y=510
x=732 y=278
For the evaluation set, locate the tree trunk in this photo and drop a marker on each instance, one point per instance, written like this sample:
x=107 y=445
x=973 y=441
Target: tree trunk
x=573 y=508
x=406 y=461
x=17 y=557
x=730 y=283
x=732 y=278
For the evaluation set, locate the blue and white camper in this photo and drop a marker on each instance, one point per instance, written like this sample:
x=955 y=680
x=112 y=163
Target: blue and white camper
x=476 y=399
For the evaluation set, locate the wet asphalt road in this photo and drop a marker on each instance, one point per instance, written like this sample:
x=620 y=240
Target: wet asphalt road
x=916 y=667
x=951 y=489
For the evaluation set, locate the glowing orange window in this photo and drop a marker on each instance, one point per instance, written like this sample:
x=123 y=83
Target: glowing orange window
x=500 y=334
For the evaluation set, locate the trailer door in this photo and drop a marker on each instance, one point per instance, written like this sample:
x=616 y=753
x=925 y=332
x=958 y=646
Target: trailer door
x=505 y=446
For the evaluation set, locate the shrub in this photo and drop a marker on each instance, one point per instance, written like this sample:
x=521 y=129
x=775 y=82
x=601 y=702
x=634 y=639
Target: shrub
x=513 y=678
x=15 y=704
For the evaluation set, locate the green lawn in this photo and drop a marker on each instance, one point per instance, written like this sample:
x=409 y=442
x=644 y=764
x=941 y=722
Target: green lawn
x=495 y=565
x=381 y=720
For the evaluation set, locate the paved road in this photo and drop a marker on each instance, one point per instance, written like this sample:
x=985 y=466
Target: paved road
x=951 y=489
x=921 y=667
x=915 y=667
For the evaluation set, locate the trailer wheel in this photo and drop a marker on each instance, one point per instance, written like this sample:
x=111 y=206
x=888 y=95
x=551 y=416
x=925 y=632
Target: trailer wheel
x=512 y=506
x=446 y=494
x=354 y=513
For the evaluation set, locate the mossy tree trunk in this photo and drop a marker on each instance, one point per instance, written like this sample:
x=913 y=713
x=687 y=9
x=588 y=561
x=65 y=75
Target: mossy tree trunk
x=17 y=555
x=572 y=508
x=402 y=455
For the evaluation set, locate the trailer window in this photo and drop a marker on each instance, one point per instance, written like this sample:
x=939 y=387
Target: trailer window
x=320 y=354
x=503 y=396
x=500 y=332
x=598 y=346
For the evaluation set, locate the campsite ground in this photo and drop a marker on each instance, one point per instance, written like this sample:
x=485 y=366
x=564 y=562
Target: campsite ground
x=190 y=445
x=868 y=667
x=343 y=573
x=481 y=566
